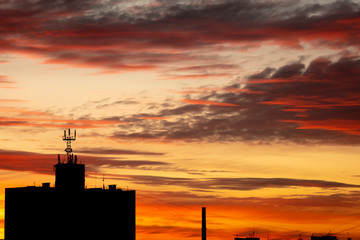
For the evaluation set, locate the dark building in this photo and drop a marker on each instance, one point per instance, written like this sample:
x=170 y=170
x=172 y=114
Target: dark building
x=247 y=238
x=252 y=237
x=324 y=237
x=69 y=177
x=69 y=211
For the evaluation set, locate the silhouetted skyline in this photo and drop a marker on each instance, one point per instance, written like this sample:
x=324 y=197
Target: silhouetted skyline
x=69 y=210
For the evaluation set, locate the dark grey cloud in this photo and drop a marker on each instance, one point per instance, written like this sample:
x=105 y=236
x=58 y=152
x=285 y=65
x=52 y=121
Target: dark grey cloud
x=266 y=73
x=116 y=151
x=314 y=104
x=43 y=163
x=119 y=102
x=288 y=71
x=124 y=35
x=128 y=36
x=330 y=201
x=236 y=184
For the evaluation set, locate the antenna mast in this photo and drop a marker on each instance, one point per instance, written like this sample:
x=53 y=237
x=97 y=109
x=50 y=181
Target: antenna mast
x=203 y=226
x=69 y=138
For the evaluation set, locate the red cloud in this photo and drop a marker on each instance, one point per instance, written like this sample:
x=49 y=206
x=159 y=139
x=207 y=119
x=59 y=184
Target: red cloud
x=11 y=101
x=57 y=123
x=204 y=90
x=315 y=103
x=43 y=163
x=23 y=111
x=197 y=76
x=242 y=90
x=347 y=126
x=206 y=102
x=5 y=83
x=304 y=102
x=155 y=118
x=94 y=34
x=261 y=81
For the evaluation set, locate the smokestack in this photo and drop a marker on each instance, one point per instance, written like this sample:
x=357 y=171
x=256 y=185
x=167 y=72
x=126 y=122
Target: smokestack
x=203 y=227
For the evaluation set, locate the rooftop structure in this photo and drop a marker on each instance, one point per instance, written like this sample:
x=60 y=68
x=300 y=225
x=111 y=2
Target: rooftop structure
x=247 y=238
x=69 y=210
x=252 y=237
x=324 y=237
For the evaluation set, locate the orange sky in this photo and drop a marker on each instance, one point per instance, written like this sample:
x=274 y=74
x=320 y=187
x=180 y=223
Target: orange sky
x=250 y=108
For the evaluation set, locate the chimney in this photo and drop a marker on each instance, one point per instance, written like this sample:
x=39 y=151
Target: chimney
x=203 y=227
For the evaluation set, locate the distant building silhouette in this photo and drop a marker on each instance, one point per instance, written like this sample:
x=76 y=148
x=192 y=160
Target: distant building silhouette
x=247 y=238
x=324 y=237
x=69 y=211
x=252 y=237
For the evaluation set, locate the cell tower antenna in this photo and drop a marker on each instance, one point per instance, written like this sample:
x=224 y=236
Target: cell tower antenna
x=69 y=138
x=103 y=181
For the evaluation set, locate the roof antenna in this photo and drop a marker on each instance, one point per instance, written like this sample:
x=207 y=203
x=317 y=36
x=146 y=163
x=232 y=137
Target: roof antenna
x=68 y=138
x=103 y=182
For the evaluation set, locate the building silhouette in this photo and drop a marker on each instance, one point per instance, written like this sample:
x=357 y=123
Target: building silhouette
x=252 y=237
x=324 y=237
x=69 y=210
x=247 y=238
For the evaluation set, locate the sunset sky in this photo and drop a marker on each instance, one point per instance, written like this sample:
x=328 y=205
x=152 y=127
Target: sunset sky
x=248 y=107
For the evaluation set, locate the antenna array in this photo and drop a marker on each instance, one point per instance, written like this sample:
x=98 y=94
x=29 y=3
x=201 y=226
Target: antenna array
x=69 y=138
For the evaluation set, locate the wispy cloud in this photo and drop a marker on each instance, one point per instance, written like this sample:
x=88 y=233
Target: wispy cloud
x=116 y=151
x=133 y=37
x=55 y=123
x=12 y=101
x=318 y=103
x=236 y=184
x=5 y=83
x=43 y=163
x=207 y=102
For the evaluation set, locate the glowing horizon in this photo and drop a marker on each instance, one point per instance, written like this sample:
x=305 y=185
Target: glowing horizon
x=250 y=108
